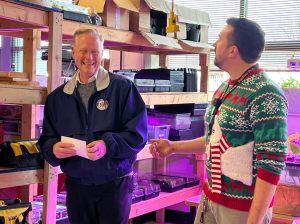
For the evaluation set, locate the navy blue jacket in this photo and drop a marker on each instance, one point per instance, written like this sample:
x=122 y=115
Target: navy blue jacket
x=122 y=126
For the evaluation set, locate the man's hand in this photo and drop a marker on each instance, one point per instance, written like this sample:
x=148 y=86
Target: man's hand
x=96 y=150
x=160 y=148
x=64 y=150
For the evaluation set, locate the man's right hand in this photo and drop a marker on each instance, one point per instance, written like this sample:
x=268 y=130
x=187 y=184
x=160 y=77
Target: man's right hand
x=64 y=150
x=160 y=148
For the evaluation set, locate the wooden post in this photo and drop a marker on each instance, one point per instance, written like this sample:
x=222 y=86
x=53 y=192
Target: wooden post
x=50 y=194
x=163 y=61
x=200 y=161
x=54 y=77
x=54 y=51
x=204 y=63
x=31 y=39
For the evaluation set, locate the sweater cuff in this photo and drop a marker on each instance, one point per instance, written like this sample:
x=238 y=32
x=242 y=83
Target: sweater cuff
x=109 y=144
x=48 y=152
x=268 y=176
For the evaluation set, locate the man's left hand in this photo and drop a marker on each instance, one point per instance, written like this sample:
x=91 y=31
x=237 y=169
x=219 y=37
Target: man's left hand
x=96 y=150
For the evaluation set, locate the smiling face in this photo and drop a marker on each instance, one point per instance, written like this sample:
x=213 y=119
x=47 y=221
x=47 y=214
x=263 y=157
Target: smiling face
x=87 y=53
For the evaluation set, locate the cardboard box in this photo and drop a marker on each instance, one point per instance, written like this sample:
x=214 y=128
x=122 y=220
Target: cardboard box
x=114 y=13
x=114 y=16
x=140 y=21
x=187 y=16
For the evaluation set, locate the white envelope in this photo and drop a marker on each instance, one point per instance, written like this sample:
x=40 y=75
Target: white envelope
x=80 y=145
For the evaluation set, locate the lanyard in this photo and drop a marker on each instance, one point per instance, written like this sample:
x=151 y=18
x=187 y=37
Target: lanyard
x=218 y=101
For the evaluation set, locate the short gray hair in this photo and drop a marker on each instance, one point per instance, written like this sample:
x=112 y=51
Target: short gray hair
x=88 y=31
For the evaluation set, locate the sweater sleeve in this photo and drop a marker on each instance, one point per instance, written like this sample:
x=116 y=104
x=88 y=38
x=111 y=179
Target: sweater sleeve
x=268 y=115
x=48 y=138
x=133 y=135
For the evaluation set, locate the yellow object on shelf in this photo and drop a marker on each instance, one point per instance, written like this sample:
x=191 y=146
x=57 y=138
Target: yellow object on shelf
x=295 y=148
x=97 y=5
x=172 y=27
x=292 y=142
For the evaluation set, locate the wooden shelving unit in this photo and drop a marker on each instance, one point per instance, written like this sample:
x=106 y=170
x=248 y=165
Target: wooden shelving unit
x=19 y=177
x=34 y=24
x=173 y=98
x=162 y=201
x=30 y=95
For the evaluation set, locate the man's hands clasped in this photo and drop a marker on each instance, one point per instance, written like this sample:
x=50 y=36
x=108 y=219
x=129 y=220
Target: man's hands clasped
x=95 y=150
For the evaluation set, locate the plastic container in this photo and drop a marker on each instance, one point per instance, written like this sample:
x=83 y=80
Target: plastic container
x=177 y=121
x=181 y=134
x=193 y=32
x=160 y=131
x=137 y=195
x=144 y=85
x=168 y=183
x=150 y=188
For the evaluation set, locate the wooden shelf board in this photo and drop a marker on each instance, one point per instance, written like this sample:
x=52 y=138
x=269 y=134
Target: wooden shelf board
x=281 y=219
x=14 y=16
x=125 y=40
x=20 y=178
x=162 y=201
x=17 y=94
x=174 y=98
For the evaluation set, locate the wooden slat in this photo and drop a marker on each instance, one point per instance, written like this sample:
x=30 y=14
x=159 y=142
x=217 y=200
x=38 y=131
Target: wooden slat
x=31 y=40
x=173 y=98
x=28 y=121
x=11 y=33
x=54 y=52
x=17 y=16
x=14 y=74
x=21 y=178
x=109 y=34
x=17 y=94
x=54 y=71
x=163 y=61
x=193 y=201
x=50 y=194
x=133 y=41
x=162 y=201
x=204 y=63
x=284 y=219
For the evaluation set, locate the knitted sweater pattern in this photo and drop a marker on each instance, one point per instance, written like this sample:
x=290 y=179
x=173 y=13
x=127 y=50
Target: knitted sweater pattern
x=247 y=139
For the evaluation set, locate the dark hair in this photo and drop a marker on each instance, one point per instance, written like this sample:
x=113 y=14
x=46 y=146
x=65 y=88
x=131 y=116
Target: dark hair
x=249 y=38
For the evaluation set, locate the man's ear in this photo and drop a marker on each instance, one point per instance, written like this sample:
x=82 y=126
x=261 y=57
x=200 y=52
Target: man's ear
x=234 y=51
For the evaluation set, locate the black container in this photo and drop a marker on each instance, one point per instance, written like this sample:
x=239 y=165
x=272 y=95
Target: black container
x=181 y=134
x=169 y=184
x=193 y=32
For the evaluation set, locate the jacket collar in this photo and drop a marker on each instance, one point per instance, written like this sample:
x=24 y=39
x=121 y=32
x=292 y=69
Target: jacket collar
x=102 y=81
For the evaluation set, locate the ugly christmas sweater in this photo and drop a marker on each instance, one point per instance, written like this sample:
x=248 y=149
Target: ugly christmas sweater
x=247 y=139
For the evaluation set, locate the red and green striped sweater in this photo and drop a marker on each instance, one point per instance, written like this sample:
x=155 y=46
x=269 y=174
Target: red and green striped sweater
x=247 y=141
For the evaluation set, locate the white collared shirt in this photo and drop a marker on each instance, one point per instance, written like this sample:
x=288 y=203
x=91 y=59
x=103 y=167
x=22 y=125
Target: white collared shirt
x=91 y=79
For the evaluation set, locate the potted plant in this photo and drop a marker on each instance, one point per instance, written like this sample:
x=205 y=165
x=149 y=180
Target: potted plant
x=291 y=89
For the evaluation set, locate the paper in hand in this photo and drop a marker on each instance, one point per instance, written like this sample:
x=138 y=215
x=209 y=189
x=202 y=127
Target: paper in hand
x=80 y=145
